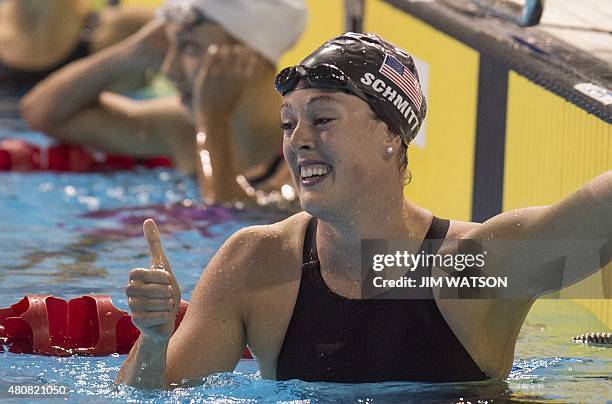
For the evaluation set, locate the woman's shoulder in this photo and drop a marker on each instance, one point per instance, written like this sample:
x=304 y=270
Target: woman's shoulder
x=262 y=255
x=284 y=236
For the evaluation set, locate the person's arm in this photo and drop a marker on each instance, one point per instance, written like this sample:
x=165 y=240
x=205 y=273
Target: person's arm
x=56 y=100
x=149 y=128
x=542 y=249
x=210 y=338
x=224 y=74
x=117 y=23
x=154 y=298
x=72 y=106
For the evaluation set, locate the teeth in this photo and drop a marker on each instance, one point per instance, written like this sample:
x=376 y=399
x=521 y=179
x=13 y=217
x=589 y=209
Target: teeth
x=316 y=169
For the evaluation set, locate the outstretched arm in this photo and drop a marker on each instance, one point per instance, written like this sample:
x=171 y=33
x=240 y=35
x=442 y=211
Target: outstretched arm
x=543 y=249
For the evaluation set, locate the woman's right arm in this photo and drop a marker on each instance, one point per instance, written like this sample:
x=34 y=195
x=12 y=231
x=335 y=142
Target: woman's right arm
x=212 y=335
x=154 y=297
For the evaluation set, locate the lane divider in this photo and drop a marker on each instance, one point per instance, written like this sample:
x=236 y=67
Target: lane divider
x=88 y=325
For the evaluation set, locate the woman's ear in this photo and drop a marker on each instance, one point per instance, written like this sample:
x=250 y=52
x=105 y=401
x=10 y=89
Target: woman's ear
x=391 y=141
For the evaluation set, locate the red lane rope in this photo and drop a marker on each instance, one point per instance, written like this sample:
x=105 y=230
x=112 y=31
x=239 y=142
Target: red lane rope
x=19 y=155
x=87 y=325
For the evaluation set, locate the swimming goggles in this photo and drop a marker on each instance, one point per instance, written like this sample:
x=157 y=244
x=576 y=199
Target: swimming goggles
x=321 y=76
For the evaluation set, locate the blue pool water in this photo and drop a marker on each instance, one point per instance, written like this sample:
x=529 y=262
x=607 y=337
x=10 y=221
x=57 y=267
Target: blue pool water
x=75 y=234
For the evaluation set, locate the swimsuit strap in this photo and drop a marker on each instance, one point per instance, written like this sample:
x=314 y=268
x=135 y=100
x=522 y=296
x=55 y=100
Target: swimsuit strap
x=274 y=165
x=435 y=235
x=309 y=252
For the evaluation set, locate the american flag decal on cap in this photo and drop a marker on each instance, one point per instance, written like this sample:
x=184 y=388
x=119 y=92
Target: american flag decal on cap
x=399 y=74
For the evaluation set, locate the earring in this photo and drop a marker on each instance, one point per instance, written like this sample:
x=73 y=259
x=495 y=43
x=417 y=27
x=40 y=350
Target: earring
x=389 y=150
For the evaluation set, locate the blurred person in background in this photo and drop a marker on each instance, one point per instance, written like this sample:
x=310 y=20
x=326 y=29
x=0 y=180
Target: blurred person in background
x=37 y=37
x=221 y=56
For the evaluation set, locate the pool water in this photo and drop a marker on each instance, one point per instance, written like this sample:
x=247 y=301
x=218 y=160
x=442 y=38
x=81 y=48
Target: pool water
x=75 y=234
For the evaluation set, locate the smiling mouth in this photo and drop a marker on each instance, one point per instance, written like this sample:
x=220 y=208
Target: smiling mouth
x=314 y=173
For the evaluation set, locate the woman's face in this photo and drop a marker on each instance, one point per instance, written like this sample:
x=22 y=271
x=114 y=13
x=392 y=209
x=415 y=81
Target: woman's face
x=335 y=148
x=188 y=46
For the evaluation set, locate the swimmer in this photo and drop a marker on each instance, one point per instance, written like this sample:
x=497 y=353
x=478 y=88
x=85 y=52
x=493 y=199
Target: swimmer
x=291 y=290
x=32 y=45
x=221 y=62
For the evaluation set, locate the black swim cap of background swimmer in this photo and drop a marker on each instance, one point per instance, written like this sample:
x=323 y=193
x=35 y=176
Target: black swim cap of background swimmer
x=370 y=68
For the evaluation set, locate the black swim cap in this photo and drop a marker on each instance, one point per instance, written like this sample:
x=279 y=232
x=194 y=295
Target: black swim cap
x=370 y=68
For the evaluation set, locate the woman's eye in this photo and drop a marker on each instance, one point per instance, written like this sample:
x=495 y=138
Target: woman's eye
x=287 y=126
x=322 y=121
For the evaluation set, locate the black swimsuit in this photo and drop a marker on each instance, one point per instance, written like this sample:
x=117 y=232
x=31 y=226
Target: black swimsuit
x=336 y=339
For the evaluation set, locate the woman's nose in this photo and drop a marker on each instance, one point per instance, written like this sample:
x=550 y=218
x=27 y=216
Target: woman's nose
x=302 y=138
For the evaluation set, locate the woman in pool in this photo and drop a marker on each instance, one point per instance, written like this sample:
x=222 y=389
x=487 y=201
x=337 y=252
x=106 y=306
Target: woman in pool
x=32 y=45
x=221 y=57
x=293 y=290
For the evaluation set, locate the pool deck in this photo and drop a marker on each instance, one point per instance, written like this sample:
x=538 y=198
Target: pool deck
x=569 y=53
x=583 y=24
x=577 y=22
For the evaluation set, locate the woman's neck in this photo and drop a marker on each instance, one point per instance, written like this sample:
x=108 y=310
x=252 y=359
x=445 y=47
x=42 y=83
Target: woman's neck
x=339 y=241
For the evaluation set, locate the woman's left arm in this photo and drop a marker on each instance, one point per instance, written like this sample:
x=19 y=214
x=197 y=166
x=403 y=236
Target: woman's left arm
x=542 y=249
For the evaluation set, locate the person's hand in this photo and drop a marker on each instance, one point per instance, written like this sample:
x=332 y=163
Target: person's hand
x=222 y=78
x=150 y=42
x=153 y=294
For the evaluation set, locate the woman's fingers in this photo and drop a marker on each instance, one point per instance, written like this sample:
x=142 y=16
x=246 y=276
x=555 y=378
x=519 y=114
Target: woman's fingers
x=159 y=260
x=139 y=305
x=147 y=276
x=150 y=290
x=153 y=294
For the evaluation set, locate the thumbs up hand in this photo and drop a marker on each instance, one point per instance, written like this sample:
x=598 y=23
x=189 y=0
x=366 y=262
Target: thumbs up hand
x=153 y=294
